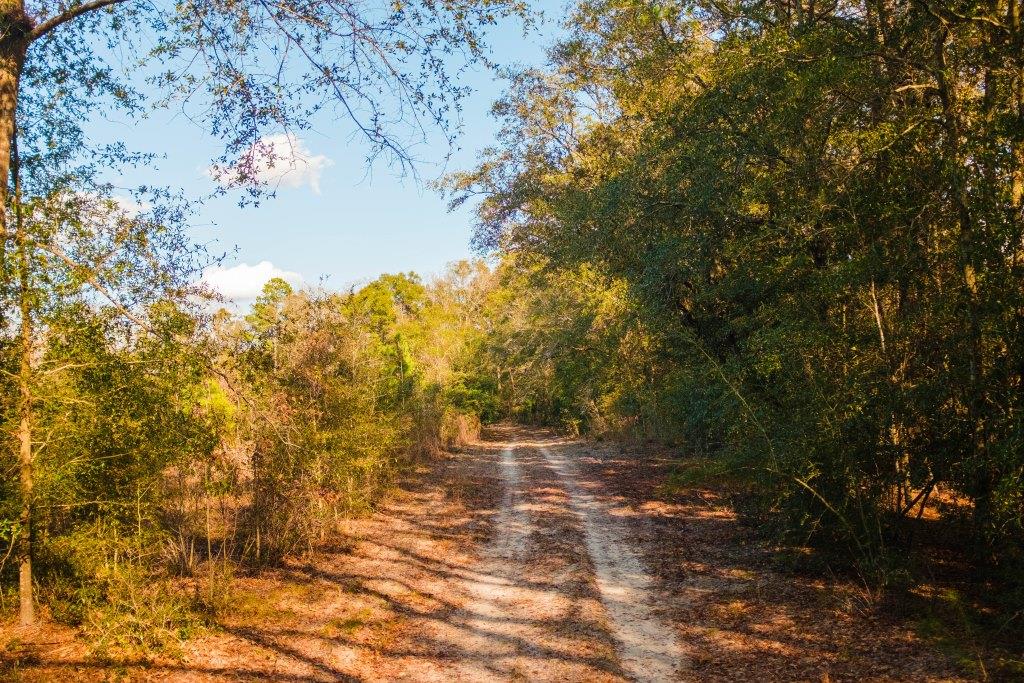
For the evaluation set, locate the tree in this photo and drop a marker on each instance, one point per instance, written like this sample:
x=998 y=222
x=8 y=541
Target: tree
x=85 y=268
x=332 y=391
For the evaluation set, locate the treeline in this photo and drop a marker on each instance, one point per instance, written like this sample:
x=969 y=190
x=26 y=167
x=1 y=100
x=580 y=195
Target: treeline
x=183 y=448
x=787 y=235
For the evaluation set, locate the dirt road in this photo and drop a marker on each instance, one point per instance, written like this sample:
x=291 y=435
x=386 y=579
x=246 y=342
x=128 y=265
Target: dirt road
x=533 y=557
x=560 y=592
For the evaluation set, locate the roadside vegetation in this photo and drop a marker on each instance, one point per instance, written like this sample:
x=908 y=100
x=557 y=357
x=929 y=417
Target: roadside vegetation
x=167 y=468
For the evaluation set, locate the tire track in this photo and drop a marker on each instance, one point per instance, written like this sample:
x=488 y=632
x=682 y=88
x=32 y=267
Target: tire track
x=647 y=644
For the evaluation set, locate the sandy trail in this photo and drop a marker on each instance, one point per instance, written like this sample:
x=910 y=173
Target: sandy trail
x=530 y=615
x=528 y=557
x=603 y=595
x=492 y=640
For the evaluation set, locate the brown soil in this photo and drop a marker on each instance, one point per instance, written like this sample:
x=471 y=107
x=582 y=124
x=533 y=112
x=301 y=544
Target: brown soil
x=528 y=557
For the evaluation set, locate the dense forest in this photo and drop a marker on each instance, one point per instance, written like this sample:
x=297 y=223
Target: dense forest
x=783 y=237
x=787 y=236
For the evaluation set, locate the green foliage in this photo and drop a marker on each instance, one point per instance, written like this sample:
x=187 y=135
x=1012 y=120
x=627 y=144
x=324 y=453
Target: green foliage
x=100 y=578
x=180 y=450
x=786 y=236
x=111 y=383
x=114 y=412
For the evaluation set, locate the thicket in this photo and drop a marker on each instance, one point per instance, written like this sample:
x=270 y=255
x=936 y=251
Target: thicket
x=184 y=453
x=787 y=235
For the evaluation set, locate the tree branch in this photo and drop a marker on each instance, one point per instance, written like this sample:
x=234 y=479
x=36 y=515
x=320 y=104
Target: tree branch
x=69 y=14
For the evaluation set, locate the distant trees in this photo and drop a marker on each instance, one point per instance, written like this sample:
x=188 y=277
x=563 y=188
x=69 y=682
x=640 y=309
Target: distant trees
x=317 y=398
x=815 y=214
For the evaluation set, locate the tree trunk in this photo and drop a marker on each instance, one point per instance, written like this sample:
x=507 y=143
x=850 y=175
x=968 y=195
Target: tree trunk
x=15 y=35
x=15 y=29
x=1017 y=86
x=25 y=455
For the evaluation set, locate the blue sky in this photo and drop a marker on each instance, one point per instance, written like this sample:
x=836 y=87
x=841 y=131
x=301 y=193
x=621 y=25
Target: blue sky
x=337 y=221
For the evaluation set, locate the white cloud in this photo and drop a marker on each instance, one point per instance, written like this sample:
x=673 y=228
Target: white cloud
x=281 y=160
x=243 y=282
x=131 y=207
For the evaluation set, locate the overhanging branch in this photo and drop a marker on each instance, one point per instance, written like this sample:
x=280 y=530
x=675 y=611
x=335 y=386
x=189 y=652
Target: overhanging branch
x=67 y=15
